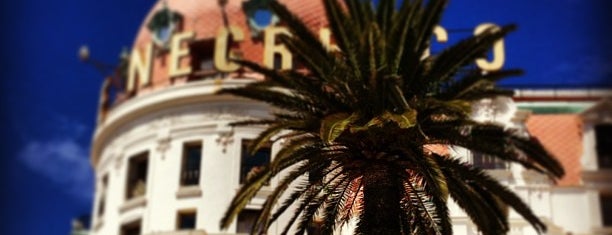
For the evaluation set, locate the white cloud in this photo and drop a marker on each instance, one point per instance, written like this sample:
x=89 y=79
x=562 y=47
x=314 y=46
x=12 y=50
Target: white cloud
x=62 y=161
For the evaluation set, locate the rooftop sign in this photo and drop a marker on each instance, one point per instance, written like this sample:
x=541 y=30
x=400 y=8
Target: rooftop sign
x=275 y=55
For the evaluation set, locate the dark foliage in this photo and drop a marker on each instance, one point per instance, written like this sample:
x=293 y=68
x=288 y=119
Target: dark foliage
x=361 y=120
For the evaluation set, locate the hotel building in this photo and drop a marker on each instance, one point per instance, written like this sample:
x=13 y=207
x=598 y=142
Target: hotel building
x=167 y=161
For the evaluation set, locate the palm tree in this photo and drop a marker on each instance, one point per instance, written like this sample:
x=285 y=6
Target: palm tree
x=360 y=120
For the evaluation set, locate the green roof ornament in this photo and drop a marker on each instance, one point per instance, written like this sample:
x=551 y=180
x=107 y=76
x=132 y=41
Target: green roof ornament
x=251 y=8
x=163 y=24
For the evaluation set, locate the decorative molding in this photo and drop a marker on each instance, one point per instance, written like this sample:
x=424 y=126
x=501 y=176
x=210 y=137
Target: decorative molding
x=189 y=192
x=483 y=109
x=226 y=113
x=119 y=160
x=164 y=139
x=532 y=177
x=225 y=139
x=499 y=110
x=163 y=122
x=133 y=203
x=133 y=110
x=163 y=144
x=500 y=174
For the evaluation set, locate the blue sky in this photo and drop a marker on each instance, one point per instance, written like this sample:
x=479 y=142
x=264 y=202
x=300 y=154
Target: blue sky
x=49 y=97
x=48 y=102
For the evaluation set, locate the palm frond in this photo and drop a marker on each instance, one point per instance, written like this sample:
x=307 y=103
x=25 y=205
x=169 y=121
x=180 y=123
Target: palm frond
x=357 y=121
x=327 y=194
x=418 y=40
x=450 y=60
x=338 y=22
x=503 y=193
x=403 y=24
x=421 y=203
x=309 y=195
x=473 y=80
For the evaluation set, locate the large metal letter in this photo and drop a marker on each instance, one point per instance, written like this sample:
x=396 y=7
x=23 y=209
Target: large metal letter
x=441 y=37
x=222 y=54
x=139 y=71
x=499 y=55
x=176 y=53
x=325 y=37
x=270 y=48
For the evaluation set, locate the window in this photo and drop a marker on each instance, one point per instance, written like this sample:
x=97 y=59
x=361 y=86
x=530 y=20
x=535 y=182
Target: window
x=246 y=219
x=603 y=134
x=186 y=220
x=162 y=26
x=102 y=199
x=131 y=228
x=605 y=201
x=137 y=175
x=202 y=62
x=251 y=164
x=488 y=162
x=192 y=158
x=258 y=16
x=263 y=18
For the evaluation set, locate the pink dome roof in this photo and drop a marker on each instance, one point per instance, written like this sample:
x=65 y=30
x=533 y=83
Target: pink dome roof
x=205 y=19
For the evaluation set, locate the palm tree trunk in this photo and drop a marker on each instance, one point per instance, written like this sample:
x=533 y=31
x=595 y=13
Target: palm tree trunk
x=381 y=202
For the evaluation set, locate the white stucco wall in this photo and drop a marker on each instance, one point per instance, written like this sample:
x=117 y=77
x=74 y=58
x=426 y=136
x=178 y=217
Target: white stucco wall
x=162 y=133
x=575 y=209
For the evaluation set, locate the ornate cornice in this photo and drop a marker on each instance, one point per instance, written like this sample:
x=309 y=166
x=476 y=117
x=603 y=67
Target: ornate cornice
x=154 y=113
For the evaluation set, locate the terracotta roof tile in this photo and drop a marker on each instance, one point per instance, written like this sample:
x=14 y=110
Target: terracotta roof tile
x=561 y=134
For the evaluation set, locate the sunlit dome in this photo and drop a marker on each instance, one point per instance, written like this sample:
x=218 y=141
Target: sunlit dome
x=205 y=19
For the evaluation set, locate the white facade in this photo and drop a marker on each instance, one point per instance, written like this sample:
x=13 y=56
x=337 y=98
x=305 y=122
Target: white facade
x=163 y=122
x=160 y=124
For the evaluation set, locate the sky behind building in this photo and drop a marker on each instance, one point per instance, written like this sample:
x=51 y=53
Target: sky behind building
x=49 y=98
